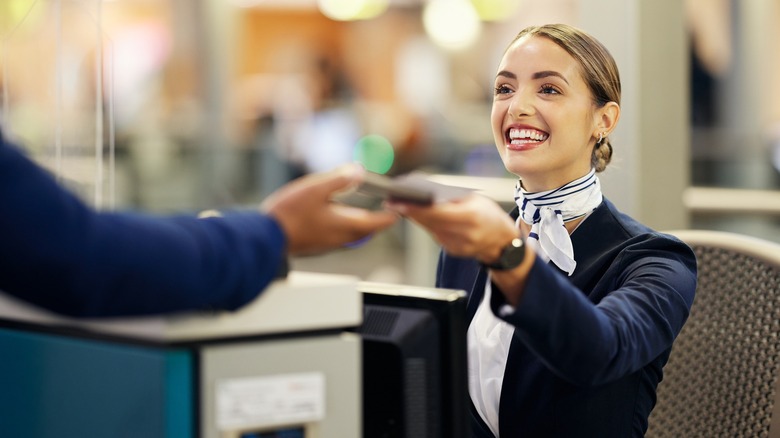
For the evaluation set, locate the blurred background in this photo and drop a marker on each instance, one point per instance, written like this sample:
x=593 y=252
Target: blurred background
x=171 y=106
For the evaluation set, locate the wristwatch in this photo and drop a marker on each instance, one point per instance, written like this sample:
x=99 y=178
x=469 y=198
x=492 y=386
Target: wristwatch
x=511 y=256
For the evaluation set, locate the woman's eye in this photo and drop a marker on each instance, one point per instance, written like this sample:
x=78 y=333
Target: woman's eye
x=502 y=89
x=549 y=89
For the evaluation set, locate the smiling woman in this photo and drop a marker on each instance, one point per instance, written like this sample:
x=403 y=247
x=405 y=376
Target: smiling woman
x=547 y=83
x=570 y=337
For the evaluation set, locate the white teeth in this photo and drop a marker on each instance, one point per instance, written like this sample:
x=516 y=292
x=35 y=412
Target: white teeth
x=526 y=134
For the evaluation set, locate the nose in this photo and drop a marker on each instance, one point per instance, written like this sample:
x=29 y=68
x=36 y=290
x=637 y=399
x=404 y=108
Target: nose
x=521 y=105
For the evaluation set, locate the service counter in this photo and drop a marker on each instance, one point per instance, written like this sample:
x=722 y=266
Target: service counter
x=282 y=366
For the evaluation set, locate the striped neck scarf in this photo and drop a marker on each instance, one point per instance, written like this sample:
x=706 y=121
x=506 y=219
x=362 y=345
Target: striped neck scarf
x=546 y=212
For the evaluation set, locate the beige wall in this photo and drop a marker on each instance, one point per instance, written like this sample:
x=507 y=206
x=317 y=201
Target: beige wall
x=651 y=166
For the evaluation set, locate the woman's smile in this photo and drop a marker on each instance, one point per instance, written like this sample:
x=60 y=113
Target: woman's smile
x=522 y=139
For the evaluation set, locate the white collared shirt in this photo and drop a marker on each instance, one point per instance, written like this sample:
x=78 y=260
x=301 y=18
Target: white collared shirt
x=488 y=340
x=488 y=347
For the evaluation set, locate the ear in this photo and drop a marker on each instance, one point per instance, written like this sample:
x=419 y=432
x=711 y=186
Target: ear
x=606 y=118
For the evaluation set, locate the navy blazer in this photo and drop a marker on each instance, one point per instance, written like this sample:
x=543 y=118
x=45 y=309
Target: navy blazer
x=588 y=350
x=60 y=254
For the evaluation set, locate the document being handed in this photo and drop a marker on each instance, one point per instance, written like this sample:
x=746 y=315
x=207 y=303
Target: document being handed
x=413 y=188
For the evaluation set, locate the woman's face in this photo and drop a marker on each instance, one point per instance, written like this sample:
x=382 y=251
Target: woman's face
x=543 y=118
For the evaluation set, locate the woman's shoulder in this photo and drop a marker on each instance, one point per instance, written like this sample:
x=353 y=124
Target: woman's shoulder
x=618 y=232
x=633 y=228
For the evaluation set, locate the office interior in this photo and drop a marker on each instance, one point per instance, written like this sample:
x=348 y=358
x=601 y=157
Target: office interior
x=179 y=105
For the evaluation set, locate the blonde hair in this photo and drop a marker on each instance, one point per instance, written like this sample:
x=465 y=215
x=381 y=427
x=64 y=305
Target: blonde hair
x=598 y=69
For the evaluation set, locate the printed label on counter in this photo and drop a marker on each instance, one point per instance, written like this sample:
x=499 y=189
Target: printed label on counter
x=270 y=400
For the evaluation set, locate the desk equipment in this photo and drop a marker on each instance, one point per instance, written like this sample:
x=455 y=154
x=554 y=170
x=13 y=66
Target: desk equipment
x=282 y=366
x=415 y=382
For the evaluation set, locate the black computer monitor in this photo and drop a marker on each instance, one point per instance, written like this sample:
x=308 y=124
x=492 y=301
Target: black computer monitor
x=415 y=380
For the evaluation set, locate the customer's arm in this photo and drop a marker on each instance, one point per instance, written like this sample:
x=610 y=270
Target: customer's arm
x=58 y=253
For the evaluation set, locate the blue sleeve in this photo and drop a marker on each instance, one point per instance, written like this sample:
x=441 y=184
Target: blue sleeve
x=60 y=254
x=646 y=298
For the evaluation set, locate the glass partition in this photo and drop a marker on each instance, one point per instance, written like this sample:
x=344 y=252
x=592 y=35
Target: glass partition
x=57 y=94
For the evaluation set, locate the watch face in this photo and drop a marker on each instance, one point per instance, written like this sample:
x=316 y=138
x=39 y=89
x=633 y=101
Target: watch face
x=514 y=255
x=511 y=256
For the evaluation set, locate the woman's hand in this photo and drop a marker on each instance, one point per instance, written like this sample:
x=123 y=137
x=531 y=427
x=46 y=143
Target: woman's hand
x=474 y=226
x=477 y=227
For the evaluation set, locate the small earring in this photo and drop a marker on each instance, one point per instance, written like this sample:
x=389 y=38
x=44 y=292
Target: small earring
x=601 y=137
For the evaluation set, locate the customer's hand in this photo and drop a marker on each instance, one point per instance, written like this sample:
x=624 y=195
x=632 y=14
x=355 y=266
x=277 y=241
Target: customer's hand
x=314 y=223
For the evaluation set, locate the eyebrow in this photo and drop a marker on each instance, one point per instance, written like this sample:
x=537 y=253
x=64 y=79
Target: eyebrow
x=537 y=75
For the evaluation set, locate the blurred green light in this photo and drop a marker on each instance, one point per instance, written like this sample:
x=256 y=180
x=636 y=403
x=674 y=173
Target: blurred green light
x=375 y=153
x=12 y=12
x=345 y=10
x=495 y=10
